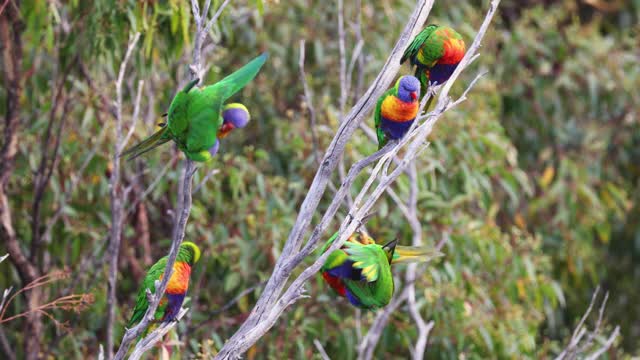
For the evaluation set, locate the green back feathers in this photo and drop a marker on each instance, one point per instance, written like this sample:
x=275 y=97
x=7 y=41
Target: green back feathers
x=411 y=53
x=155 y=271
x=370 y=259
x=382 y=138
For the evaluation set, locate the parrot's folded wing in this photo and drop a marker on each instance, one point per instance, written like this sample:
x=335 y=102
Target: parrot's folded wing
x=366 y=258
x=412 y=50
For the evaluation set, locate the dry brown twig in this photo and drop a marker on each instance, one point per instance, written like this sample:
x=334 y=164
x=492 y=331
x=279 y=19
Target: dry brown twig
x=73 y=302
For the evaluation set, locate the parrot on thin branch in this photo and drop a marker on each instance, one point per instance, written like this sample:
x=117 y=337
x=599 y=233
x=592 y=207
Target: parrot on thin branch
x=197 y=117
x=436 y=52
x=396 y=110
x=361 y=269
x=171 y=302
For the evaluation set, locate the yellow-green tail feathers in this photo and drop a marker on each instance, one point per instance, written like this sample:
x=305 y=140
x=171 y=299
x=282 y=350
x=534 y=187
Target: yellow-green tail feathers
x=147 y=144
x=411 y=254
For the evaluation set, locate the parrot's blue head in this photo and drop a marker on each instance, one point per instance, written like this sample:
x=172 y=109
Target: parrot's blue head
x=234 y=116
x=408 y=88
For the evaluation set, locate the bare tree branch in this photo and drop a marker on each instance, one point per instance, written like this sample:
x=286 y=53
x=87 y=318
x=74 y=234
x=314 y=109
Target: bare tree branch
x=369 y=342
x=579 y=345
x=308 y=99
x=271 y=304
x=149 y=342
x=321 y=350
x=136 y=116
x=116 y=201
x=280 y=274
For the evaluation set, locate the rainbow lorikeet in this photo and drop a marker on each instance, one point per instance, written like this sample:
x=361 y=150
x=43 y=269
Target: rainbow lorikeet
x=197 y=118
x=396 y=110
x=169 y=306
x=361 y=269
x=436 y=52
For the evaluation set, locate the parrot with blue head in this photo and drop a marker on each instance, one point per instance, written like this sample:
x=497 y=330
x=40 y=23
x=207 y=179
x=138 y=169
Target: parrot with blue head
x=397 y=109
x=197 y=118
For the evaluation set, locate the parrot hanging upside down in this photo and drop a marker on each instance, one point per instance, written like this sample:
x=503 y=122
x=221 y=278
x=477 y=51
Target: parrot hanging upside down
x=436 y=52
x=169 y=306
x=361 y=269
x=396 y=110
x=197 y=118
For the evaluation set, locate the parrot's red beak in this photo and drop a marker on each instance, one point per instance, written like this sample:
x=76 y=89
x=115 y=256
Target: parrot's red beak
x=225 y=129
x=414 y=95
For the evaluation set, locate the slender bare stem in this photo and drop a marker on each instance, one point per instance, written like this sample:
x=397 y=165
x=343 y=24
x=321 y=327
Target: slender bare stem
x=116 y=202
x=308 y=99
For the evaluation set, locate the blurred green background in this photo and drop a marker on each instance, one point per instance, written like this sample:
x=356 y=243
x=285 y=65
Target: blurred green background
x=535 y=177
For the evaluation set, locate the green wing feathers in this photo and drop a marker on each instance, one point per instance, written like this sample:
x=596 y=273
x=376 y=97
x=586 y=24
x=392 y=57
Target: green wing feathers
x=412 y=51
x=367 y=258
x=382 y=138
x=411 y=254
x=154 y=273
x=231 y=84
x=158 y=138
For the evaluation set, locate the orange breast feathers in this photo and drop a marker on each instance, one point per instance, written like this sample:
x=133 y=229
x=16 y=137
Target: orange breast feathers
x=397 y=110
x=179 y=282
x=453 y=51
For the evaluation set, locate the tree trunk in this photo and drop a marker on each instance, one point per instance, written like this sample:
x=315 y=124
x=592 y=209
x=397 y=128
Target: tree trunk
x=11 y=28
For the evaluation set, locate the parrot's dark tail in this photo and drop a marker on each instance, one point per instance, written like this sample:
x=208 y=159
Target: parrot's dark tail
x=146 y=145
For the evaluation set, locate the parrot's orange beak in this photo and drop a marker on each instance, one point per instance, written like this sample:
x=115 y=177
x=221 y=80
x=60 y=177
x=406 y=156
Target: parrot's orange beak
x=414 y=95
x=225 y=129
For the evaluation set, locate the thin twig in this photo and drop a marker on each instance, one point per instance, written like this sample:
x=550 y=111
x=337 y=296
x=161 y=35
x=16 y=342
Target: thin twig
x=149 y=342
x=308 y=99
x=321 y=350
x=368 y=344
x=135 y=117
x=116 y=202
x=579 y=346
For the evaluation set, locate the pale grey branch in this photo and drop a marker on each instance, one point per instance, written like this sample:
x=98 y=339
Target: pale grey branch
x=116 y=201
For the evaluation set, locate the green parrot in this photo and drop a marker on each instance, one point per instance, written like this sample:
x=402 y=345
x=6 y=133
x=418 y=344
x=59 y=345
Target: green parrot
x=197 y=118
x=361 y=269
x=171 y=302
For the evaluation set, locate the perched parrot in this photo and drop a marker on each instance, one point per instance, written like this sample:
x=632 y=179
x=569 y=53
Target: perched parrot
x=436 y=52
x=188 y=255
x=396 y=110
x=361 y=269
x=197 y=118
